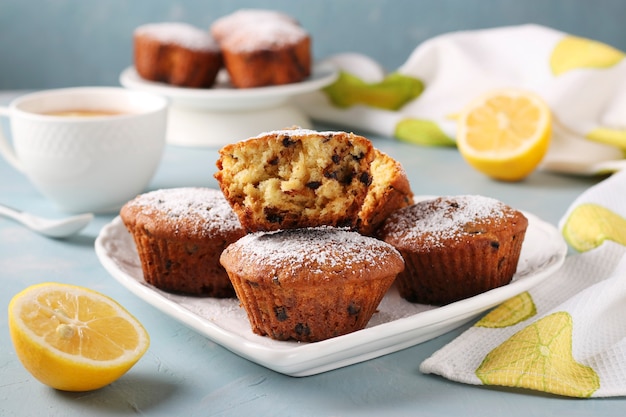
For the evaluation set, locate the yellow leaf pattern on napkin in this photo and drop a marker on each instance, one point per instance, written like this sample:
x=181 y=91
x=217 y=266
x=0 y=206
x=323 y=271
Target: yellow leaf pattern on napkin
x=514 y=310
x=613 y=137
x=590 y=224
x=539 y=357
x=573 y=52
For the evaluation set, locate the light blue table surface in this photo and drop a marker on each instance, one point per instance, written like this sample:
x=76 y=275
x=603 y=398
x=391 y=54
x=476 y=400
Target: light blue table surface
x=185 y=374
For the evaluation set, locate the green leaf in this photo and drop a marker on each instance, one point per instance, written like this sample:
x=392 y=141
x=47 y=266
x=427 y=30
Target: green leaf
x=391 y=93
x=422 y=132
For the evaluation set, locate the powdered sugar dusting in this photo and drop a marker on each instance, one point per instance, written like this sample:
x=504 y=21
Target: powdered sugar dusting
x=444 y=218
x=213 y=318
x=316 y=249
x=205 y=208
x=181 y=34
x=244 y=17
x=267 y=34
x=297 y=133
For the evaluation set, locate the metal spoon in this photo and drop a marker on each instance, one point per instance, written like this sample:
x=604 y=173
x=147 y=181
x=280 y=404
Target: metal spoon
x=52 y=228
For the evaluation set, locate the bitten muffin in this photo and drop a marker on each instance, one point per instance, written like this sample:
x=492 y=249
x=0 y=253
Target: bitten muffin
x=296 y=178
x=180 y=234
x=176 y=53
x=388 y=191
x=455 y=247
x=310 y=284
x=268 y=52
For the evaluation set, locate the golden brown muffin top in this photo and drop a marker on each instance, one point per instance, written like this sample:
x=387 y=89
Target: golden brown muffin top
x=311 y=254
x=441 y=221
x=193 y=211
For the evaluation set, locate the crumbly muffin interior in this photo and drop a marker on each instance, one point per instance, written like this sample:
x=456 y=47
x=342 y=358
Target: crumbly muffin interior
x=297 y=176
x=389 y=191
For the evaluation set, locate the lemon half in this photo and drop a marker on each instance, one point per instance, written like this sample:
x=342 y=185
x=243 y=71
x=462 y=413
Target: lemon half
x=72 y=338
x=505 y=133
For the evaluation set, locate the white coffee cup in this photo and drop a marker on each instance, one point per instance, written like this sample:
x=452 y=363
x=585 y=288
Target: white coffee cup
x=81 y=161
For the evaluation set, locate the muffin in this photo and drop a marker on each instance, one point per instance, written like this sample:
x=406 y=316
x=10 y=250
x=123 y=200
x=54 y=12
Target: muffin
x=176 y=53
x=455 y=247
x=296 y=178
x=310 y=284
x=180 y=234
x=268 y=53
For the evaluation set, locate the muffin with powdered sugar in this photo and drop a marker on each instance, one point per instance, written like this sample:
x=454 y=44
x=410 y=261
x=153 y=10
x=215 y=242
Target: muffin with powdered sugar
x=455 y=247
x=180 y=234
x=310 y=284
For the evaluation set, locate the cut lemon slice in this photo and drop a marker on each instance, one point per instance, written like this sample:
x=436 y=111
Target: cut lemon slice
x=72 y=338
x=505 y=133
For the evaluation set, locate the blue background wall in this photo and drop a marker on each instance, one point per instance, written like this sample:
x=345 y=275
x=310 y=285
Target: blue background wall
x=59 y=43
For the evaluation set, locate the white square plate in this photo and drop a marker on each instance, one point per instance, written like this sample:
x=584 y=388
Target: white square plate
x=396 y=325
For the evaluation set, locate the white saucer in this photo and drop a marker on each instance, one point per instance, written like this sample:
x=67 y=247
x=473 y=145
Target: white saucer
x=223 y=114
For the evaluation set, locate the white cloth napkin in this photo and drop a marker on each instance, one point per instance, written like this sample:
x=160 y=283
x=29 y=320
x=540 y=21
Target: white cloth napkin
x=573 y=342
x=583 y=81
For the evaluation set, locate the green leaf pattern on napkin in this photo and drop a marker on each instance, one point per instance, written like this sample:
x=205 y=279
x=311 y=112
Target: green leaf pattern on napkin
x=393 y=92
x=422 y=132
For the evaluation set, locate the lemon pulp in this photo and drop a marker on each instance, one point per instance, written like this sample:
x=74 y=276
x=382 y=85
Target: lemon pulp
x=72 y=338
x=505 y=133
